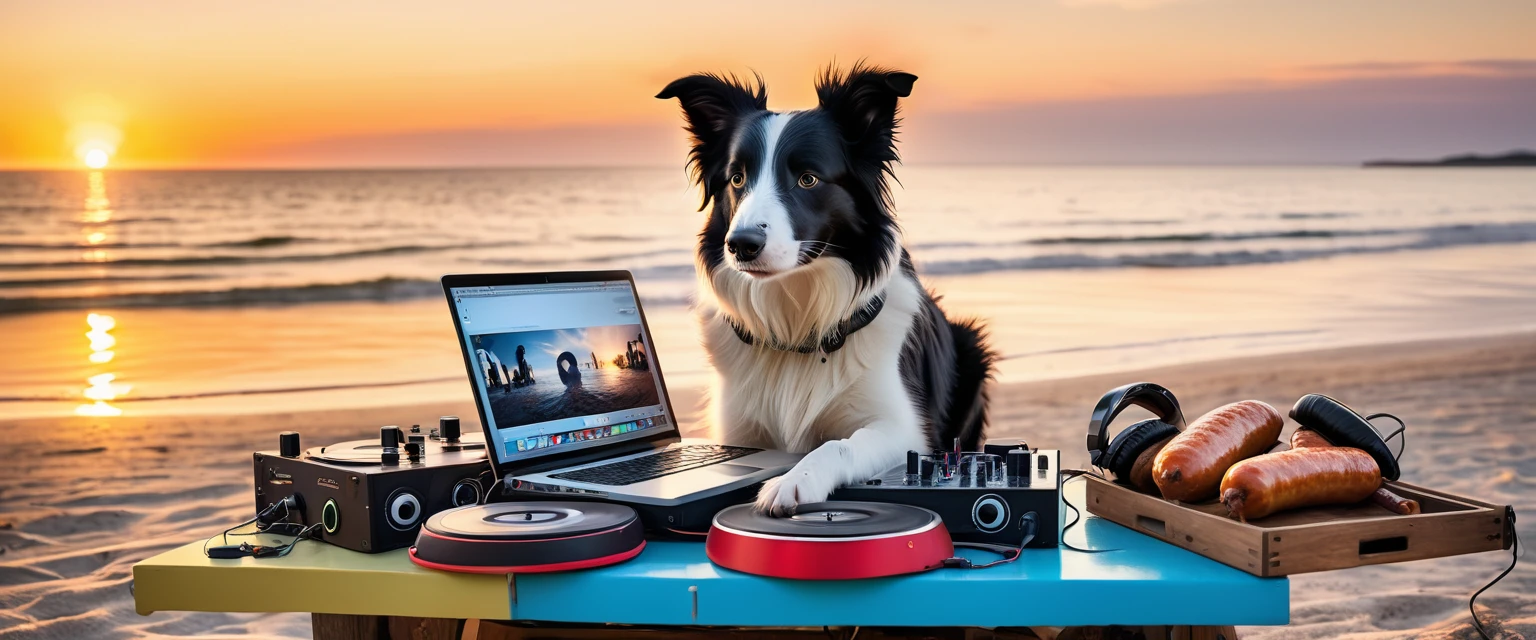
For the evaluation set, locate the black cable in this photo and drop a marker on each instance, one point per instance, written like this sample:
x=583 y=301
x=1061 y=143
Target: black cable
x=225 y=534
x=1077 y=515
x=1402 y=430
x=1514 y=558
x=1030 y=525
x=265 y=524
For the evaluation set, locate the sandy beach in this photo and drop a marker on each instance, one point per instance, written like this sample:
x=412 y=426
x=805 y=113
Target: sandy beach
x=82 y=499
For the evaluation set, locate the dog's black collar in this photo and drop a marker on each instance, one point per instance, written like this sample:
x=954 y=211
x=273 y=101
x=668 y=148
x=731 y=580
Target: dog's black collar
x=832 y=341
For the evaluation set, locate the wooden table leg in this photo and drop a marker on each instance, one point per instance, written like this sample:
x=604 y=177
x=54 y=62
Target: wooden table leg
x=332 y=626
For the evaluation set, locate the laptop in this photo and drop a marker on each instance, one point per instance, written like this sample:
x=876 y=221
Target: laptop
x=571 y=396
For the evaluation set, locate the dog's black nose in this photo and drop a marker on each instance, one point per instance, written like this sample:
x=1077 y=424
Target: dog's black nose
x=746 y=244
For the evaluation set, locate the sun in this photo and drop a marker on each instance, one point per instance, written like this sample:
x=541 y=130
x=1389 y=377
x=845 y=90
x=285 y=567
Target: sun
x=96 y=158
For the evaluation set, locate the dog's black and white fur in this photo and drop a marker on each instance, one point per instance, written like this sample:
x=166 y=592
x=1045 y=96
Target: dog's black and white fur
x=801 y=237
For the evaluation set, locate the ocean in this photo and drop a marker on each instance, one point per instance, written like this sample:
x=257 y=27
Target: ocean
x=232 y=291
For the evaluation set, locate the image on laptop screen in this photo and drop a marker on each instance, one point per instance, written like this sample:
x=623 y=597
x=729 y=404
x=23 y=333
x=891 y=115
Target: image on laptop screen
x=560 y=367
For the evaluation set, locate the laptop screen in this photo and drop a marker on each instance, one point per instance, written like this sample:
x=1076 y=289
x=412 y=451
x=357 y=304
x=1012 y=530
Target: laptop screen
x=559 y=368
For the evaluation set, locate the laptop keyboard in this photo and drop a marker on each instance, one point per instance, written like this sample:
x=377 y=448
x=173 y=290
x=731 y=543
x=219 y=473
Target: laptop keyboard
x=665 y=462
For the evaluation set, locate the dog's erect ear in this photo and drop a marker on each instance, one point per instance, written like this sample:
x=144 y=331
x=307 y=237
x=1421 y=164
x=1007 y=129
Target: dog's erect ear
x=863 y=104
x=714 y=106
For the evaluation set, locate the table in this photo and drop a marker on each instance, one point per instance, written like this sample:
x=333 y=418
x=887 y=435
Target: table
x=1142 y=582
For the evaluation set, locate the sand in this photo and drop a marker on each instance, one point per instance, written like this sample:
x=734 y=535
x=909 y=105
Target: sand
x=82 y=499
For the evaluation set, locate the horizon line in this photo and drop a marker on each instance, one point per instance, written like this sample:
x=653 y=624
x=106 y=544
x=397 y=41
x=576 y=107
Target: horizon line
x=561 y=167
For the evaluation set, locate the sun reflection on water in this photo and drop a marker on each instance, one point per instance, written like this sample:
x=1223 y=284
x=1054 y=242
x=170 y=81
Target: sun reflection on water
x=103 y=386
x=95 y=218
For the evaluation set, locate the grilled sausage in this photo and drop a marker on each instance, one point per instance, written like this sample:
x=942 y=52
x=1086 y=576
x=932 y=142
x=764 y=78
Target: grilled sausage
x=1191 y=466
x=1141 y=469
x=1260 y=486
x=1304 y=438
x=1395 y=503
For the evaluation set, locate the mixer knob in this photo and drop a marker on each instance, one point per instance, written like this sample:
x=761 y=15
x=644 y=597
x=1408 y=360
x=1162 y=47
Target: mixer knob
x=1018 y=468
x=448 y=427
x=288 y=444
x=389 y=442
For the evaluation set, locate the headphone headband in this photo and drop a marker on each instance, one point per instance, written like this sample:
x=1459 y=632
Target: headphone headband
x=1146 y=395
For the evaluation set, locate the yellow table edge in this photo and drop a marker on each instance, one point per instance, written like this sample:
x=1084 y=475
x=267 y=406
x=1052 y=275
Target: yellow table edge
x=315 y=578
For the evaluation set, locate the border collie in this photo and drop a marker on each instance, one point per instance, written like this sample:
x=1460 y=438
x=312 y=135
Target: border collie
x=823 y=339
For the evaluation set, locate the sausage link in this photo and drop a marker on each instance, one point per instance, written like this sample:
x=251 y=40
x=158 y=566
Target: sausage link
x=1190 y=467
x=1141 y=469
x=1304 y=438
x=1395 y=503
x=1260 y=486
x=1399 y=505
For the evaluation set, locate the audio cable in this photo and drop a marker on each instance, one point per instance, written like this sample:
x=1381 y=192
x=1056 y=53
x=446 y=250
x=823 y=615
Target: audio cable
x=1513 y=559
x=267 y=521
x=1029 y=523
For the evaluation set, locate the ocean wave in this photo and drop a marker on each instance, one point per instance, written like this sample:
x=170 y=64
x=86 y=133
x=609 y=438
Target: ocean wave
x=386 y=289
x=1427 y=238
x=612 y=238
x=70 y=282
x=261 y=242
x=1199 y=236
x=239 y=392
x=79 y=245
x=234 y=259
x=1315 y=215
x=599 y=259
x=32 y=208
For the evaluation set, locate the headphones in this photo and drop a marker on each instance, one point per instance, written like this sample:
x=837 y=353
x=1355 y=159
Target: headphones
x=1341 y=426
x=1118 y=455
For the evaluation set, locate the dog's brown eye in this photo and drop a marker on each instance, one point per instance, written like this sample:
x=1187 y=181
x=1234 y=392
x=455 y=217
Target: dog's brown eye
x=807 y=180
x=738 y=180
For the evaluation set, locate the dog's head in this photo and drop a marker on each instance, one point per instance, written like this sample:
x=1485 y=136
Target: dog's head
x=791 y=188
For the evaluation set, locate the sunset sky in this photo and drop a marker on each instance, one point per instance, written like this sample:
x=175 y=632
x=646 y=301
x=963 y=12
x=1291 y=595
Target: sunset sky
x=318 y=84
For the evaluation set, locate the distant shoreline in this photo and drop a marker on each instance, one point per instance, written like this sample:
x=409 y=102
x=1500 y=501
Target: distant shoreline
x=1511 y=159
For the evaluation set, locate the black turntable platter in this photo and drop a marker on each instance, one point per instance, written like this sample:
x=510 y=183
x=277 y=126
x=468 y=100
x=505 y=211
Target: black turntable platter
x=530 y=520
x=547 y=536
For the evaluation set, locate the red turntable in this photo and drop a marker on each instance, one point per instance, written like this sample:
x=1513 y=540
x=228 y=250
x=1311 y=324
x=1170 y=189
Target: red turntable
x=830 y=541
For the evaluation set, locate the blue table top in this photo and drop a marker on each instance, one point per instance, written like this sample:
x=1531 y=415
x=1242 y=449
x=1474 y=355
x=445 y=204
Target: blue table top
x=1143 y=581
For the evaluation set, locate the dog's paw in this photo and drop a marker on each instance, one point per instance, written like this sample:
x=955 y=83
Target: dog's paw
x=802 y=485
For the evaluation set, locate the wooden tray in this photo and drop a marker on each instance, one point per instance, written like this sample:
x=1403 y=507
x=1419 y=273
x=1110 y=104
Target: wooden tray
x=1315 y=539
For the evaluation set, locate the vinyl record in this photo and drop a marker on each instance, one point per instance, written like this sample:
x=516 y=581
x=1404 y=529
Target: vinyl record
x=830 y=541
x=367 y=452
x=529 y=537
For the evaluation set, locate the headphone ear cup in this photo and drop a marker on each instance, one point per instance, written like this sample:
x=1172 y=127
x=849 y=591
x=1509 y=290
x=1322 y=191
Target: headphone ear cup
x=1345 y=428
x=1130 y=443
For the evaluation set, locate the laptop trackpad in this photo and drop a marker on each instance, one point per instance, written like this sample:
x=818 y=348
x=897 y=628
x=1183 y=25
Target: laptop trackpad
x=734 y=469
